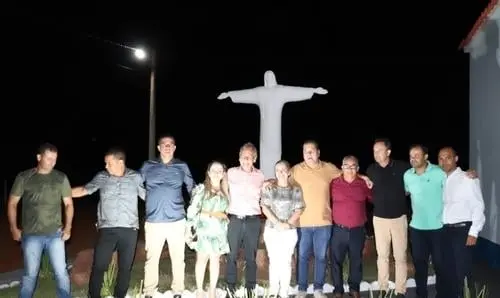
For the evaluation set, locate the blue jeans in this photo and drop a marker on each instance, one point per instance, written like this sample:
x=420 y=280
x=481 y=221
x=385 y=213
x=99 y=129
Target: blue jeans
x=33 y=247
x=312 y=241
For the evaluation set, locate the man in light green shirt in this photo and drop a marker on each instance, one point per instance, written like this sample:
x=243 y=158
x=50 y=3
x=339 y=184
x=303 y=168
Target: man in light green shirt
x=426 y=190
x=424 y=182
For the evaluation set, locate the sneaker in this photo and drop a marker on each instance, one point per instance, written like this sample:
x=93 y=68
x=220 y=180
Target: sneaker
x=177 y=296
x=301 y=294
x=319 y=294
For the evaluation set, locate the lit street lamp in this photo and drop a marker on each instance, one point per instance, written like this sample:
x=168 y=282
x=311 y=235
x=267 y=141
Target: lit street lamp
x=141 y=55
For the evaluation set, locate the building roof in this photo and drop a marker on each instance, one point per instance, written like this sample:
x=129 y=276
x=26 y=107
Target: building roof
x=492 y=5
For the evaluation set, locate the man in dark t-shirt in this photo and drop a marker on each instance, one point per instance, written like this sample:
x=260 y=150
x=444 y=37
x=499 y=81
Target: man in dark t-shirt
x=42 y=189
x=390 y=209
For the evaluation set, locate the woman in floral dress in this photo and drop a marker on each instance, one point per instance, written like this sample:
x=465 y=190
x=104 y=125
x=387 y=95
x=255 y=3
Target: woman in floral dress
x=207 y=219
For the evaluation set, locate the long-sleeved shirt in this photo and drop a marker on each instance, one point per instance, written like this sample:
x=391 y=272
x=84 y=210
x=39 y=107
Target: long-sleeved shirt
x=349 y=201
x=244 y=191
x=463 y=201
x=164 y=200
x=118 y=204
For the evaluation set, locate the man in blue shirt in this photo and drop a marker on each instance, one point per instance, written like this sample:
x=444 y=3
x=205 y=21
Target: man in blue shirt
x=424 y=182
x=165 y=214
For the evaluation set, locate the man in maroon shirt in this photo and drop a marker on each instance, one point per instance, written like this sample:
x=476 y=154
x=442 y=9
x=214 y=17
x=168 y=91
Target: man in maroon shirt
x=349 y=196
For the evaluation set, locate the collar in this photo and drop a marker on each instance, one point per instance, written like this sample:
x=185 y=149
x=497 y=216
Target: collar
x=455 y=172
x=305 y=166
x=389 y=165
x=429 y=167
x=125 y=173
x=158 y=160
x=252 y=171
x=353 y=181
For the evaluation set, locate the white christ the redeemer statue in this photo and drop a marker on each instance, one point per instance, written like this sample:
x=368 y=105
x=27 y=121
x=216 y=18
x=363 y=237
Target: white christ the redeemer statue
x=271 y=98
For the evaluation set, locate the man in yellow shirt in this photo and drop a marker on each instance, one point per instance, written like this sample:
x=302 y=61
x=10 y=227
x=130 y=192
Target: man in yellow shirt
x=315 y=224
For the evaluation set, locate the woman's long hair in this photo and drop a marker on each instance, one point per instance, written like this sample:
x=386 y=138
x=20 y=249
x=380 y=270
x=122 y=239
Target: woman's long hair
x=209 y=191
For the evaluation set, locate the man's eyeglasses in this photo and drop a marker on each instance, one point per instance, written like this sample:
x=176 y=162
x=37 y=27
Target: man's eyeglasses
x=349 y=167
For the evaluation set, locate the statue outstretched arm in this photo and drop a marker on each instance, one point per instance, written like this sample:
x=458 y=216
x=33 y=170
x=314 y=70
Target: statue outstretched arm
x=300 y=93
x=241 y=96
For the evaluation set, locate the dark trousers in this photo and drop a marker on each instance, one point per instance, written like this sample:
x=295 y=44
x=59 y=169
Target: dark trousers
x=428 y=244
x=123 y=241
x=347 y=242
x=243 y=232
x=458 y=259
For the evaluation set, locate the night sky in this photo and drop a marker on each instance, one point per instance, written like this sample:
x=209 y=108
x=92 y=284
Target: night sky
x=391 y=71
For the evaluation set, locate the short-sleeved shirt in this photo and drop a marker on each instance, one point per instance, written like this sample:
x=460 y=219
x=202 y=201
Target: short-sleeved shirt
x=282 y=202
x=244 y=191
x=41 y=196
x=118 y=204
x=315 y=184
x=426 y=191
x=389 y=197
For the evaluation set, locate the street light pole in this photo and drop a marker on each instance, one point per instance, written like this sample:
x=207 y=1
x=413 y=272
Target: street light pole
x=152 y=108
x=141 y=55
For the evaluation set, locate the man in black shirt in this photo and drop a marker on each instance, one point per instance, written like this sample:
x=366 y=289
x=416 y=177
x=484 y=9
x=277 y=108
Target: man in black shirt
x=390 y=221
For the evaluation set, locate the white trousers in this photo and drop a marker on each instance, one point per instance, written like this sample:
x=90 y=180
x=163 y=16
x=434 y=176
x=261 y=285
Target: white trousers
x=280 y=245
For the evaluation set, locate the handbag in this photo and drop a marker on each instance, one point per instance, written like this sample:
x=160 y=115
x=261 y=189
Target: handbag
x=190 y=234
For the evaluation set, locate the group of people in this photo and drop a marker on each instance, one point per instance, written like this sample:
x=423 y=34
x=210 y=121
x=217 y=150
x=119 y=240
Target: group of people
x=309 y=208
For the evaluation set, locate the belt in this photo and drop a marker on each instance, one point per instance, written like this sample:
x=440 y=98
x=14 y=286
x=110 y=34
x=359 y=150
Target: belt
x=458 y=224
x=348 y=228
x=244 y=217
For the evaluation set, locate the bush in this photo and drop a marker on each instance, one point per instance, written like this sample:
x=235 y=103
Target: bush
x=108 y=283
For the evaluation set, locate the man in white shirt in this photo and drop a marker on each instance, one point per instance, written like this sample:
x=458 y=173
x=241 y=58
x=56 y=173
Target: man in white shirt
x=463 y=219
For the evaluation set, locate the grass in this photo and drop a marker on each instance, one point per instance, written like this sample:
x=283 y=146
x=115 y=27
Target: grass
x=46 y=285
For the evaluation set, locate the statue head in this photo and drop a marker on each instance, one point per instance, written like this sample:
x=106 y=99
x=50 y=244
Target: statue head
x=269 y=79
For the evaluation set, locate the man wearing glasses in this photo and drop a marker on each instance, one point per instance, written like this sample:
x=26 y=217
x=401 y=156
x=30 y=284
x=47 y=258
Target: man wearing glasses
x=349 y=195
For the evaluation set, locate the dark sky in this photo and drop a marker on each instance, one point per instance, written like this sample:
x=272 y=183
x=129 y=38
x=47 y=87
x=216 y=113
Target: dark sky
x=391 y=71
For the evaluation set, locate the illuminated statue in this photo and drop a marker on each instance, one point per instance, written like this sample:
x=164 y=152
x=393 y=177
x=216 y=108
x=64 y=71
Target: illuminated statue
x=271 y=98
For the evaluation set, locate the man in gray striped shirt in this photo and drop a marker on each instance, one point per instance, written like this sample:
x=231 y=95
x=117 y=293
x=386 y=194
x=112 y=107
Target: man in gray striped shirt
x=117 y=220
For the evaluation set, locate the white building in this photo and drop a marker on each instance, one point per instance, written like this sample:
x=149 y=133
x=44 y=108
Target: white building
x=483 y=44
